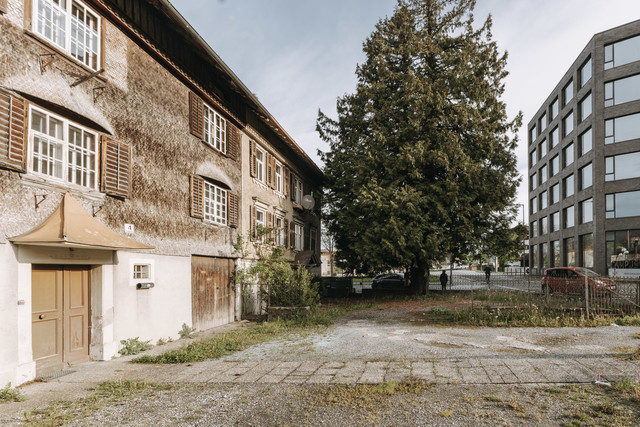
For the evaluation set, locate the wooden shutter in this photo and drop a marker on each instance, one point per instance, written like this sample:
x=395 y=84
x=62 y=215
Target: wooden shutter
x=252 y=158
x=269 y=167
x=233 y=141
x=232 y=209
x=287 y=181
x=116 y=168
x=307 y=238
x=196 y=115
x=270 y=224
x=292 y=187
x=197 y=196
x=292 y=235
x=252 y=222
x=12 y=132
x=286 y=234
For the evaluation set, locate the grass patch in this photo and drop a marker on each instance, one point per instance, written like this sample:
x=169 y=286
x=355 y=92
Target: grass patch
x=8 y=394
x=364 y=396
x=521 y=317
x=106 y=394
x=240 y=339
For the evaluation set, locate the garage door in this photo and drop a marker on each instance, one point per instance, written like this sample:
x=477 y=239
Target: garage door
x=212 y=291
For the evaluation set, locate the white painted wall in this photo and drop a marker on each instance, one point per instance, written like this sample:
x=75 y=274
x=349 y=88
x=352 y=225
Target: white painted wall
x=153 y=313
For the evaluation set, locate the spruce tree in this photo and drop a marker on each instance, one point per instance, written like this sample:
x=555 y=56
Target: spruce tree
x=421 y=162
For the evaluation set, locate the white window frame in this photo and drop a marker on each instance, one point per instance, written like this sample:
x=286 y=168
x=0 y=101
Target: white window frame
x=299 y=236
x=280 y=230
x=60 y=13
x=215 y=204
x=299 y=190
x=260 y=164
x=65 y=146
x=141 y=271
x=279 y=178
x=215 y=129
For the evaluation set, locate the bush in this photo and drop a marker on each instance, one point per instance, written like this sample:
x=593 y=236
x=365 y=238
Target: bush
x=284 y=285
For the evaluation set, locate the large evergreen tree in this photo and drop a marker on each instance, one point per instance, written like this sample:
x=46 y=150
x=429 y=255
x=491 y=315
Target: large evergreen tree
x=421 y=161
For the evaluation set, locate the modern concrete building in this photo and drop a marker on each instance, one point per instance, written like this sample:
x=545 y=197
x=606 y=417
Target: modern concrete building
x=584 y=160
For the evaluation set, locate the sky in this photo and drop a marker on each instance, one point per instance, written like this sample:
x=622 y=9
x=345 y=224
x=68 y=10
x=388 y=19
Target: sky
x=299 y=56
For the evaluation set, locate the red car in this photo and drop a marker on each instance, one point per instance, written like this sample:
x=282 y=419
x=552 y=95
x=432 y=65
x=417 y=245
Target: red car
x=571 y=280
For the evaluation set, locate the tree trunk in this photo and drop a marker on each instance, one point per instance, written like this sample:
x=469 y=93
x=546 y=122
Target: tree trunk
x=419 y=283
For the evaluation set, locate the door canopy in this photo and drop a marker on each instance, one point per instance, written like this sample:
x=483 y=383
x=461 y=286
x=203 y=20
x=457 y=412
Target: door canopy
x=72 y=226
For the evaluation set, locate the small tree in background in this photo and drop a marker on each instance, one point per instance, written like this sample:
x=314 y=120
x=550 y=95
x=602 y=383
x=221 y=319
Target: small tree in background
x=421 y=161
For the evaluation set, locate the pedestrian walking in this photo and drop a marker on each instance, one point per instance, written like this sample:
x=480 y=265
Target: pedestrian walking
x=487 y=272
x=443 y=280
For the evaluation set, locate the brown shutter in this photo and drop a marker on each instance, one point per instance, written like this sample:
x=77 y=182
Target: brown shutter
x=287 y=181
x=307 y=238
x=252 y=158
x=273 y=172
x=197 y=196
x=292 y=187
x=286 y=234
x=292 y=235
x=232 y=209
x=252 y=222
x=12 y=132
x=270 y=224
x=116 y=168
x=269 y=167
x=233 y=141
x=196 y=115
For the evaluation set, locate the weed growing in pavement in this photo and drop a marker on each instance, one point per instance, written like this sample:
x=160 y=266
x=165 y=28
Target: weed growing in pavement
x=8 y=394
x=240 y=339
x=106 y=394
x=133 y=346
x=187 y=331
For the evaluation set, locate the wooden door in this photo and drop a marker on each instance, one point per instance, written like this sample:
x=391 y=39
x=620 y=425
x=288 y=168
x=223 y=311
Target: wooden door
x=60 y=316
x=212 y=291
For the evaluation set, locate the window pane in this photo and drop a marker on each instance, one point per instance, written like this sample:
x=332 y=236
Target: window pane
x=570 y=251
x=542 y=148
x=555 y=252
x=623 y=166
x=554 y=137
x=568 y=186
x=555 y=193
x=568 y=154
x=623 y=128
x=569 y=217
x=567 y=124
x=586 y=211
x=585 y=177
x=623 y=90
x=586 y=142
x=585 y=73
x=585 y=107
x=626 y=51
x=543 y=122
x=627 y=204
x=543 y=200
x=555 y=165
x=554 y=109
x=567 y=93
x=586 y=242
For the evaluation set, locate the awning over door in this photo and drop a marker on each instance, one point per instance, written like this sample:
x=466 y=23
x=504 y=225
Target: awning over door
x=72 y=226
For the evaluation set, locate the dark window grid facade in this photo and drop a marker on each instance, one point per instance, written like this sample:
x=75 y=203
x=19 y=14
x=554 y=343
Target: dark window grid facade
x=596 y=229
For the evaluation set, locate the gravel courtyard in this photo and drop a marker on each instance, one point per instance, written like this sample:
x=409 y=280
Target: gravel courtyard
x=381 y=366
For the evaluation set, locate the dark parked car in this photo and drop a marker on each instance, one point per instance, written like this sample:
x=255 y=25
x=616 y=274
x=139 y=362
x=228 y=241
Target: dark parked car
x=389 y=281
x=571 y=280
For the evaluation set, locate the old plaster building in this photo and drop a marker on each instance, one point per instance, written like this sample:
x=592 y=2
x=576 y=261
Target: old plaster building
x=584 y=160
x=127 y=149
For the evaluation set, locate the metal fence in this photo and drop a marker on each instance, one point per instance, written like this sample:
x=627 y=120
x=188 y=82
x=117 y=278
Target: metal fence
x=516 y=290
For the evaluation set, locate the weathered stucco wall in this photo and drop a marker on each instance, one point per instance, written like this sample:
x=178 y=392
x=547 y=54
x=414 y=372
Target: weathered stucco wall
x=141 y=104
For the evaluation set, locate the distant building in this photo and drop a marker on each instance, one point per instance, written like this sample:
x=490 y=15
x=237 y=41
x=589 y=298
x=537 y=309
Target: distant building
x=584 y=159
